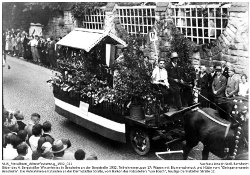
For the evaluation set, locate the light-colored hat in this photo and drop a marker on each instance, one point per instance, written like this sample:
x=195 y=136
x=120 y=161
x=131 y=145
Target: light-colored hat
x=174 y=55
x=58 y=146
x=46 y=147
x=48 y=39
x=218 y=68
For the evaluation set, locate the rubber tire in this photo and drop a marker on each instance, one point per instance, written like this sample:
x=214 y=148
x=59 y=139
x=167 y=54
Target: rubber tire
x=133 y=144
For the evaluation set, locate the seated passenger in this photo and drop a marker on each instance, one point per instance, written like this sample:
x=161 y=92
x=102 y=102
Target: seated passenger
x=160 y=77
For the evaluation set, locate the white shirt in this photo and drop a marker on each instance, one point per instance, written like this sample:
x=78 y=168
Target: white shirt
x=34 y=142
x=9 y=153
x=212 y=73
x=33 y=42
x=160 y=74
x=243 y=89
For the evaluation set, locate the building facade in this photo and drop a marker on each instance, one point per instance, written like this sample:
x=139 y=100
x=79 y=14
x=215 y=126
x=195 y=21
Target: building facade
x=220 y=32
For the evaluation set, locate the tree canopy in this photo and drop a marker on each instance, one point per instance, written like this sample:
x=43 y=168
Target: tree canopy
x=21 y=14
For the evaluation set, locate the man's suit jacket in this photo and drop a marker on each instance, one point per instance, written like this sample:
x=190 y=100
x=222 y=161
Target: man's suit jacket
x=173 y=72
x=225 y=72
x=219 y=85
x=232 y=85
x=211 y=79
x=48 y=138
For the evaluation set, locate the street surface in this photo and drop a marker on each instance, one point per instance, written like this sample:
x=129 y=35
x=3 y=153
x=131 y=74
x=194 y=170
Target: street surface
x=25 y=89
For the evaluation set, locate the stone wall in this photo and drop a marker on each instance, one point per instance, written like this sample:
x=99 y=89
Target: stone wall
x=231 y=45
x=60 y=25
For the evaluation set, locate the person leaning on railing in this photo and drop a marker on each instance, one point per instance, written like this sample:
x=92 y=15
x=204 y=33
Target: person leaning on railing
x=219 y=87
x=202 y=84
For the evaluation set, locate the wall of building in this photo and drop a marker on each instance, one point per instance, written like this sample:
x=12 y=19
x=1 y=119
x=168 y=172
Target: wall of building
x=60 y=25
x=231 y=45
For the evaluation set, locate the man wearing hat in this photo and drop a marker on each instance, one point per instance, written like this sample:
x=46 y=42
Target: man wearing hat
x=232 y=90
x=219 y=85
x=51 y=52
x=174 y=74
x=19 y=118
x=58 y=150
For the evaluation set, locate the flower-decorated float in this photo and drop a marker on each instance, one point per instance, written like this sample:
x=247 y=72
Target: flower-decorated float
x=104 y=84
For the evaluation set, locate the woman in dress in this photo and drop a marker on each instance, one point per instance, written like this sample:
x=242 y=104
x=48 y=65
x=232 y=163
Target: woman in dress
x=13 y=43
x=8 y=45
x=243 y=86
x=202 y=84
x=19 y=45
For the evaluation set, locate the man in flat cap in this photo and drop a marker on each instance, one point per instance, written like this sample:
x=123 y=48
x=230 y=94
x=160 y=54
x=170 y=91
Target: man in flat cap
x=232 y=90
x=174 y=74
x=219 y=85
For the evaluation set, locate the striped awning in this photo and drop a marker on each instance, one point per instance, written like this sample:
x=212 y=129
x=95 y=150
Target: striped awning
x=86 y=39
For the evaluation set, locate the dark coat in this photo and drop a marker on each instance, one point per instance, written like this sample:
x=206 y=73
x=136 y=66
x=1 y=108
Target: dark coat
x=48 y=138
x=173 y=72
x=210 y=82
x=225 y=72
x=210 y=79
x=203 y=84
x=21 y=125
x=219 y=85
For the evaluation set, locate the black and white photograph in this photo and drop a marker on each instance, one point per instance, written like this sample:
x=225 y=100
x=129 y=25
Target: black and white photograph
x=131 y=81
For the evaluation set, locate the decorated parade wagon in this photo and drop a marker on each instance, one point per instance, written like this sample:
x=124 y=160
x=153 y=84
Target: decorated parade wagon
x=104 y=84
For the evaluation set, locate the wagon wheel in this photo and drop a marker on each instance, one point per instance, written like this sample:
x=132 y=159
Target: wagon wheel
x=140 y=141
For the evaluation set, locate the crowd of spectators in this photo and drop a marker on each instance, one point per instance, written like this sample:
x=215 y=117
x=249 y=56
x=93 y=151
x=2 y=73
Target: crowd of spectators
x=34 y=141
x=221 y=86
x=34 y=48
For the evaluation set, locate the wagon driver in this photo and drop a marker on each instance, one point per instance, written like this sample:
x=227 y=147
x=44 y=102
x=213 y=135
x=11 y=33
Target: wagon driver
x=175 y=79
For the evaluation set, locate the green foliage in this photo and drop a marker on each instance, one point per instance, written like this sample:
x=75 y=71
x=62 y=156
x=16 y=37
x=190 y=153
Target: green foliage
x=133 y=72
x=184 y=47
x=87 y=75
